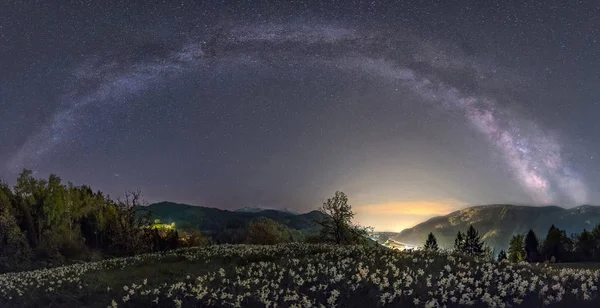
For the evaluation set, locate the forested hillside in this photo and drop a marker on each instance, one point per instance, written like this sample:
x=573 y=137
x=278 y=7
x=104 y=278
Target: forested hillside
x=212 y=221
x=45 y=222
x=497 y=223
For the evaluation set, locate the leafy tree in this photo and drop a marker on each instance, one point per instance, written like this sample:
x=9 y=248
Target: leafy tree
x=172 y=240
x=516 y=248
x=193 y=238
x=292 y=235
x=459 y=242
x=30 y=193
x=55 y=203
x=58 y=236
x=7 y=198
x=472 y=243
x=15 y=252
x=51 y=221
x=234 y=231
x=48 y=210
x=264 y=231
x=126 y=229
x=502 y=256
x=337 y=226
x=532 y=247
x=431 y=243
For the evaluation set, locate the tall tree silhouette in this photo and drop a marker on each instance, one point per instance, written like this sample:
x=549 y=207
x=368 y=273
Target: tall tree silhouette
x=337 y=226
x=459 y=242
x=585 y=247
x=532 y=244
x=431 y=243
x=502 y=255
x=516 y=249
x=555 y=244
x=473 y=244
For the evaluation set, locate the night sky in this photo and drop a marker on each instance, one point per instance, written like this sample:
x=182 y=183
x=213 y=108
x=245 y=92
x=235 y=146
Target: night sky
x=413 y=108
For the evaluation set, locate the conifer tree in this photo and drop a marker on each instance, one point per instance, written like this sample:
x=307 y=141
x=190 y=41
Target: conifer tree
x=459 y=242
x=555 y=244
x=431 y=243
x=502 y=255
x=532 y=244
x=472 y=243
x=516 y=249
x=585 y=247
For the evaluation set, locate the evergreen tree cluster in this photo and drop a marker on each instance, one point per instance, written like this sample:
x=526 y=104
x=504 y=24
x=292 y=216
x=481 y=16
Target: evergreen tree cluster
x=469 y=243
x=556 y=246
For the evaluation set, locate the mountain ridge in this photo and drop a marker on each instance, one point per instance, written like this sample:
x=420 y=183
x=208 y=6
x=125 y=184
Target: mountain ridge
x=496 y=223
x=256 y=209
x=211 y=220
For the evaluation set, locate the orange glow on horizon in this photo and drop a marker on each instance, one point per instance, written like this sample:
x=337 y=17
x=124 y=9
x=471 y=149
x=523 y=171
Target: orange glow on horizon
x=397 y=216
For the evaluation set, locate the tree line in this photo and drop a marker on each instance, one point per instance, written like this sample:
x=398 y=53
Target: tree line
x=335 y=226
x=46 y=222
x=468 y=242
x=528 y=247
x=556 y=246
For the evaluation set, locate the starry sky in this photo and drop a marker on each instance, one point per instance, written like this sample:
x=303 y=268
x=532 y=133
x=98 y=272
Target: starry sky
x=413 y=108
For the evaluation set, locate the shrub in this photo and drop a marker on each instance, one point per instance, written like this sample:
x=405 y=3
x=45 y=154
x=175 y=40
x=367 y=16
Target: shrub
x=264 y=231
x=15 y=252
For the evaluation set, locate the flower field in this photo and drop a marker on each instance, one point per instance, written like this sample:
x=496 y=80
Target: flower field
x=299 y=275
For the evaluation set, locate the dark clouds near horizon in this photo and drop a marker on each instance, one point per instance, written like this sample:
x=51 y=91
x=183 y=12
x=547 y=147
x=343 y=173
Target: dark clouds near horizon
x=234 y=105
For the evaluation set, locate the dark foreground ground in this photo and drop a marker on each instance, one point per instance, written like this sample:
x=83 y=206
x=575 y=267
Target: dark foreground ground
x=301 y=275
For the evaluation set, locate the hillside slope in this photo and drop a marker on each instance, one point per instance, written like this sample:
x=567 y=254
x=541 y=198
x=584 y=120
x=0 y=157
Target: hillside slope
x=213 y=220
x=260 y=209
x=498 y=222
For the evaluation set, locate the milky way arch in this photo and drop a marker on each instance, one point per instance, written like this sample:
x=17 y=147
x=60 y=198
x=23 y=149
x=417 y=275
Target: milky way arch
x=533 y=156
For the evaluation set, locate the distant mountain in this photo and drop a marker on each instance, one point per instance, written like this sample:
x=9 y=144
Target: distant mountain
x=498 y=222
x=213 y=220
x=260 y=209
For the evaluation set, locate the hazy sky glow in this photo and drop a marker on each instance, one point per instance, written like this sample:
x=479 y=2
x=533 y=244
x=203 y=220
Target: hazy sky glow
x=412 y=110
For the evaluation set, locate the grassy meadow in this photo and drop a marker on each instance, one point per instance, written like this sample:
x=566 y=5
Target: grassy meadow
x=299 y=275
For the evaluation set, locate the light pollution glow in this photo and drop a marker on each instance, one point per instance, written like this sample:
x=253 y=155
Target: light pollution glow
x=533 y=155
x=397 y=216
